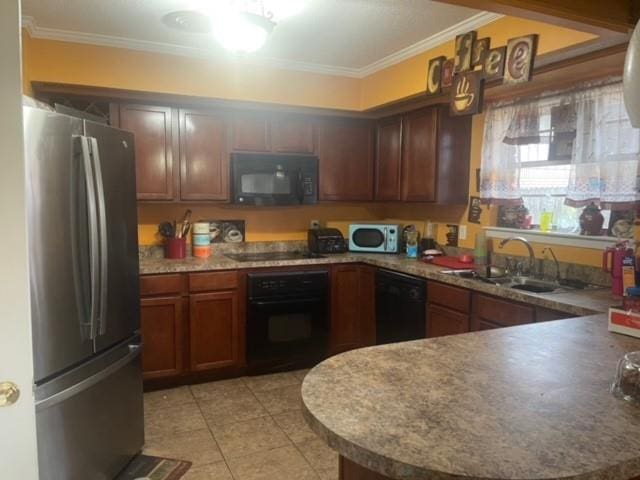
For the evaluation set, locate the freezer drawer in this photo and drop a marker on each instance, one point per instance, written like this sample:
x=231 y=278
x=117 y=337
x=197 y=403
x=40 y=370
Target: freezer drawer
x=91 y=428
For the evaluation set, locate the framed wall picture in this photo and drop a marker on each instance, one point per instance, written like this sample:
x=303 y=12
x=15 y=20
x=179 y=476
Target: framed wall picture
x=434 y=75
x=481 y=48
x=466 y=94
x=464 y=50
x=493 y=67
x=521 y=53
x=447 y=74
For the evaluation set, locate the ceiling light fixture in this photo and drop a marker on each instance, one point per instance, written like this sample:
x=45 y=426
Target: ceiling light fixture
x=243 y=32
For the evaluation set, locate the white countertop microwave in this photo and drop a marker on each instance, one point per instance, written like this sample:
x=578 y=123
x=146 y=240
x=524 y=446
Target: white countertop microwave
x=374 y=237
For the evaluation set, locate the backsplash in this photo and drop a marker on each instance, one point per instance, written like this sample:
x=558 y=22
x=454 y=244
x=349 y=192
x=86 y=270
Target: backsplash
x=157 y=251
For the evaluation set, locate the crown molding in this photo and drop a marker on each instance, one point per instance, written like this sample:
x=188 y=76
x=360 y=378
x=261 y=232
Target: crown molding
x=477 y=21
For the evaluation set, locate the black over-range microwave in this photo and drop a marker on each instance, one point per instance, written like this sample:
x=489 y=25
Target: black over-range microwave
x=259 y=179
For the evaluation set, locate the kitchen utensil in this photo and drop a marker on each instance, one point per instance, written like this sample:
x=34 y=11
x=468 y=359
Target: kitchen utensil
x=627 y=381
x=166 y=229
x=184 y=225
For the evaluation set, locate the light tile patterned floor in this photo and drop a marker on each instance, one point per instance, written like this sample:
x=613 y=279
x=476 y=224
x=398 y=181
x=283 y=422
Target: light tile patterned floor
x=247 y=428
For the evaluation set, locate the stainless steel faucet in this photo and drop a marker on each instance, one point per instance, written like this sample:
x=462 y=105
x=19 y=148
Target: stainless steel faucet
x=555 y=260
x=532 y=255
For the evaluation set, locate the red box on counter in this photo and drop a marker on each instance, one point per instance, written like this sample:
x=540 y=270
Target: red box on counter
x=624 y=321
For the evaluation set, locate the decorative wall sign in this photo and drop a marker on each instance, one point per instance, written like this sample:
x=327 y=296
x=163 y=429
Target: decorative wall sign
x=474 y=210
x=521 y=52
x=434 y=75
x=447 y=74
x=480 y=50
x=494 y=63
x=466 y=94
x=464 y=50
x=512 y=64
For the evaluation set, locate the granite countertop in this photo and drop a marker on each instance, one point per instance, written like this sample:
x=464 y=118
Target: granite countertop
x=574 y=302
x=527 y=402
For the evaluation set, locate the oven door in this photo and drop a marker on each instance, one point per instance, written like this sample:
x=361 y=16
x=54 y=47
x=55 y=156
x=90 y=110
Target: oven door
x=368 y=239
x=286 y=333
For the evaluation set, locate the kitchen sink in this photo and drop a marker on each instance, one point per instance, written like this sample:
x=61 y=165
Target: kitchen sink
x=531 y=285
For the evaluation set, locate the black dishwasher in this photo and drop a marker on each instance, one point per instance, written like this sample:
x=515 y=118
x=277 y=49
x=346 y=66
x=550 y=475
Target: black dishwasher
x=400 y=307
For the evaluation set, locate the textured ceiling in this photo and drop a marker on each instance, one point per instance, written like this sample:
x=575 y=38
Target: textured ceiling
x=342 y=34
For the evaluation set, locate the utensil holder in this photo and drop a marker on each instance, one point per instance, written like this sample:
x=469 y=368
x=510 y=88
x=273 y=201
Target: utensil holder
x=175 y=248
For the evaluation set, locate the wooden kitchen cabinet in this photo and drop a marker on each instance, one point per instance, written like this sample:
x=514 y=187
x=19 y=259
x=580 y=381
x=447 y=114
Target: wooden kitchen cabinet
x=388 y=177
x=491 y=312
x=346 y=154
x=352 y=307
x=250 y=132
x=215 y=330
x=204 y=155
x=155 y=130
x=447 y=310
x=162 y=324
x=423 y=157
x=292 y=134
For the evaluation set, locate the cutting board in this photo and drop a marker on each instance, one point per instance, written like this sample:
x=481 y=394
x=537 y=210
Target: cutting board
x=451 y=262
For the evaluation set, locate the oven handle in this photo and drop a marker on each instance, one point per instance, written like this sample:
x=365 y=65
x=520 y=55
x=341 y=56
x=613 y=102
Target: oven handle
x=285 y=301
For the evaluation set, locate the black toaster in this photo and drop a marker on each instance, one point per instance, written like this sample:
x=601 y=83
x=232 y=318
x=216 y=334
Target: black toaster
x=326 y=240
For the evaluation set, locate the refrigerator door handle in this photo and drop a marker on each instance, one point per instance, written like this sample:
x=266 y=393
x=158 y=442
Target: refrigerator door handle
x=102 y=219
x=94 y=236
x=134 y=351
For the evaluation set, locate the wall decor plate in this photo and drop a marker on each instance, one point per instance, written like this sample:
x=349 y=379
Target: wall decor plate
x=464 y=50
x=494 y=63
x=466 y=94
x=521 y=53
x=481 y=48
x=434 y=75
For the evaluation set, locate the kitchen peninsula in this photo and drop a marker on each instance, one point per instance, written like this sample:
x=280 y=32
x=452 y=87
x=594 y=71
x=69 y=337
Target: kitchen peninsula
x=529 y=402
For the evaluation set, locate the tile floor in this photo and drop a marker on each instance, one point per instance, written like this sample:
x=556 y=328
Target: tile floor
x=247 y=428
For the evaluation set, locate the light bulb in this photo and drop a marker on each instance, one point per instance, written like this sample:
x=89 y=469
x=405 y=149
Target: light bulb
x=242 y=32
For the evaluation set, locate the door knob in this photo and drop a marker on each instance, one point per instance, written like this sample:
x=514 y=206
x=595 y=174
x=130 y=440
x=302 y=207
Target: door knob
x=9 y=394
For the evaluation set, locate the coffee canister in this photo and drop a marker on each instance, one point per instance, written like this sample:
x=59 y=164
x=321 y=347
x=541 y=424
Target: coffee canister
x=200 y=239
x=201 y=251
x=200 y=228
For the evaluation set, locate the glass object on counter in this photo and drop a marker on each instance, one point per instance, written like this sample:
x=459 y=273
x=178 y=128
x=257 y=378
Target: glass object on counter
x=627 y=382
x=412 y=243
x=546 y=221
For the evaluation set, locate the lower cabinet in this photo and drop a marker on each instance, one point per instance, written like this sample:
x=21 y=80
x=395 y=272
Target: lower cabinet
x=214 y=330
x=352 y=307
x=443 y=321
x=163 y=336
x=490 y=312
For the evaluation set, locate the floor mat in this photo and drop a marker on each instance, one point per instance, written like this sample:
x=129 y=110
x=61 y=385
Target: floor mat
x=144 y=467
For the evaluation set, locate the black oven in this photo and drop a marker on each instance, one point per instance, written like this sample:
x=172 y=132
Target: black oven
x=259 y=179
x=287 y=320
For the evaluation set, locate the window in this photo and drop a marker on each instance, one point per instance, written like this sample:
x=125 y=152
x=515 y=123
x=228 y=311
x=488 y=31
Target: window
x=559 y=154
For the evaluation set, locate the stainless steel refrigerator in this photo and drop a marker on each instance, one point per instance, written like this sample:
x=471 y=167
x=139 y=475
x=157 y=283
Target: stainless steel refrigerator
x=83 y=249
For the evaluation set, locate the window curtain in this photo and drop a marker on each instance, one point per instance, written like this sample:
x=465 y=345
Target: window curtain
x=590 y=130
x=499 y=181
x=605 y=163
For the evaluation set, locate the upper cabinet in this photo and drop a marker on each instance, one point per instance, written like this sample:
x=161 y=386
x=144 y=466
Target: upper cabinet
x=346 y=154
x=250 y=132
x=389 y=160
x=204 y=156
x=155 y=145
x=276 y=133
x=424 y=157
x=292 y=134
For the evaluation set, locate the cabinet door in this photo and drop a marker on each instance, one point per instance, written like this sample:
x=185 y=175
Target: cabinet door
x=420 y=156
x=163 y=336
x=154 y=129
x=352 y=307
x=215 y=332
x=204 y=157
x=250 y=132
x=388 y=160
x=443 y=321
x=487 y=311
x=292 y=134
x=346 y=160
